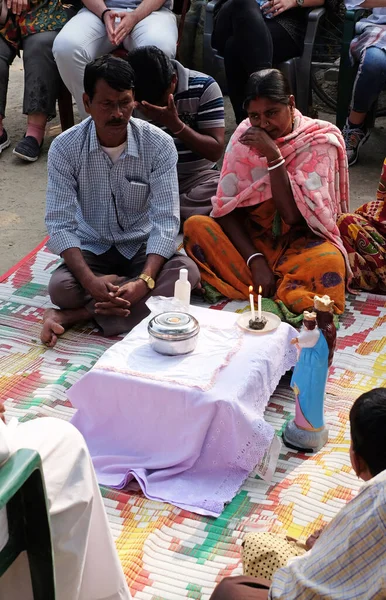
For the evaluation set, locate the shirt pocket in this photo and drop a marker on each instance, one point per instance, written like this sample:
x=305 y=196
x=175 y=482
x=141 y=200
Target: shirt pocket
x=135 y=194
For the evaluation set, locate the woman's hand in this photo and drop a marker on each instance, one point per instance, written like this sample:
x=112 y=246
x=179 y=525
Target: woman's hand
x=17 y=6
x=259 y=139
x=276 y=7
x=263 y=275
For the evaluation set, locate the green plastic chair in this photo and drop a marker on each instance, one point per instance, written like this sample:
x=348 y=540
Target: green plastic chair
x=23 y=493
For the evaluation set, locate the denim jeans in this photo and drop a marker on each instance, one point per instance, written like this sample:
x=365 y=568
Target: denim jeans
x=370 y=79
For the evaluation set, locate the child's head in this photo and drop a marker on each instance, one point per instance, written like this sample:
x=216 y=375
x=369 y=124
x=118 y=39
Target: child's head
x=368 y=434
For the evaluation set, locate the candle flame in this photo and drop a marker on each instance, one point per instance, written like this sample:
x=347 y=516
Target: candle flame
x=250 y=289
x=260 y=289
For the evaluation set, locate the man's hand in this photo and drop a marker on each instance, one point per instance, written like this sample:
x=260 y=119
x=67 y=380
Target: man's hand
x=259 y=139
x=163 y=115
x=313 y=538
x=128 y=294
x=122 y=29
x=103 y=289
x=294 y=341
x=17 y=6
x=2 y=412
x=133 y=291
x=276 y=7
x=263 y=275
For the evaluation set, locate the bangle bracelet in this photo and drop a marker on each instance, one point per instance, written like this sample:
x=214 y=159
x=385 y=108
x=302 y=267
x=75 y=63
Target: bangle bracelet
x=272 y=162
x=103 y=14
x=180 y=130
x=276 y=166
x=254 y=256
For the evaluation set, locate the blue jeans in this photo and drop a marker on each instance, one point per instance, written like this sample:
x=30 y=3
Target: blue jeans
x=370 y=79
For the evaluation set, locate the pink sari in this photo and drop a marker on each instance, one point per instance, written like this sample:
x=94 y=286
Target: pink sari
x=316 y=163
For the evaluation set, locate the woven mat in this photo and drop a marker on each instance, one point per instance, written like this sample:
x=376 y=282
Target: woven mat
x=168 y=553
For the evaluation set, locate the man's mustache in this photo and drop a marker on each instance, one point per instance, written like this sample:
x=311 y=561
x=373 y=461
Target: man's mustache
x=116 y=122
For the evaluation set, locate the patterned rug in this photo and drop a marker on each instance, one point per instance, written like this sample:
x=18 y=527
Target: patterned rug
x=168 y=553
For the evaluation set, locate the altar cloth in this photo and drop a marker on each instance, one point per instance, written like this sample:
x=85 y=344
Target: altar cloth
x=189 y=447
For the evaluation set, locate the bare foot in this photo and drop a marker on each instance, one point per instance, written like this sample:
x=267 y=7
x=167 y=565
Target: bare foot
x=51 y=327
x=55 y=322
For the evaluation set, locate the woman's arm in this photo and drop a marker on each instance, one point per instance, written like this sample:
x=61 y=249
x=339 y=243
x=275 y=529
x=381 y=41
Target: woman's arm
x=276 y=7
x=372 y=4
x=282 y=194
x=262 y=275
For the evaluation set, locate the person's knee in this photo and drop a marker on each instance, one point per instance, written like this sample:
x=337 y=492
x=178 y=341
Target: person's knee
x=65 y=47
x=374 y=62
x=63 y=290
x=194 y=224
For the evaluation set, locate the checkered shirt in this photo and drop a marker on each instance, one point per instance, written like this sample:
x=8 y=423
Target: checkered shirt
x=94 y=204
x=348 y=561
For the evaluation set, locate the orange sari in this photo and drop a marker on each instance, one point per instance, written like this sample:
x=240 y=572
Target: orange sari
x=304 y=263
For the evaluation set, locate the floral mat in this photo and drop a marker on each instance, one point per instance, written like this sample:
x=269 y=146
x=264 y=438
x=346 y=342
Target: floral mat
x=166 y=552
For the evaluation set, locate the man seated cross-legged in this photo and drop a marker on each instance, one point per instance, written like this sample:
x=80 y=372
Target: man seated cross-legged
x=189 y=106
x=112 y=211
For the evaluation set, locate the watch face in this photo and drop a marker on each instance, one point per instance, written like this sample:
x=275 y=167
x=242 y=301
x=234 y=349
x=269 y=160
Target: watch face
x=150 y=283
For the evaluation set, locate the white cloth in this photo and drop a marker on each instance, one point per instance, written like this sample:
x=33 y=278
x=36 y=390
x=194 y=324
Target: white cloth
x=84 y=38
x=135 y=357
x=86 y=562
x=185 y=446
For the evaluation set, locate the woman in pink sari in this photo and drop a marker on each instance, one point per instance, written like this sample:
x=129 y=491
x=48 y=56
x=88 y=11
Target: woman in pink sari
x=283 y=184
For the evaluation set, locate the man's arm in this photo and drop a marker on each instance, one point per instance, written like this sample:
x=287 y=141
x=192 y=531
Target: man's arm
x=164 y=202
x=208 y=142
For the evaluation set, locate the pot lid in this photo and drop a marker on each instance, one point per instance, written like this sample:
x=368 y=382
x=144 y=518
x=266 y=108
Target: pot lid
x=173 y=325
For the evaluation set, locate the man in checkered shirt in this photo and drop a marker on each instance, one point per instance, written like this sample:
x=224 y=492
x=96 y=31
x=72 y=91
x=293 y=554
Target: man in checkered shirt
x=112 y=211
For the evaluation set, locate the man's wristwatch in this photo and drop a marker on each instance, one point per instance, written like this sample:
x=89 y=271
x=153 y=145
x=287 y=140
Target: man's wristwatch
x=148 y=280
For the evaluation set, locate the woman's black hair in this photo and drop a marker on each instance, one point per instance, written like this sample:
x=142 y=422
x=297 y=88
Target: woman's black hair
x=368 y=427
x=116 y=72
x=269 y=83
x=154 y=72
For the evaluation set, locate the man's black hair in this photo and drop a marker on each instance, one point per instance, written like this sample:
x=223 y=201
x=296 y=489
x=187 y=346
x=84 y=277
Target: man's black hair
x=116 y=72
x=153 y=73
x=368 y=429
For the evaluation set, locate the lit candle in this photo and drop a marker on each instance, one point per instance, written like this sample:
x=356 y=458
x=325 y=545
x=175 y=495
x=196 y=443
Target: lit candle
x=259 y=304
x=252 y=302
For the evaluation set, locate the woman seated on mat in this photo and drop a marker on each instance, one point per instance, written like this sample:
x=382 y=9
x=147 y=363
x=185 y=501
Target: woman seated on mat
x=368 y=51
x=256 y=34
x=30 y=26
x=347 y=559
x=283 y=183
x=364 y=237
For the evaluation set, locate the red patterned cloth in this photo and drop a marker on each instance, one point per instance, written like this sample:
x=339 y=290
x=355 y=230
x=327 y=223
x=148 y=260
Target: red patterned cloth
x=364 y=237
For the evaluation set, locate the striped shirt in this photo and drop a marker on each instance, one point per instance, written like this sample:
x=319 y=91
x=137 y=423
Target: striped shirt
x=94 y=204
x=348 y=561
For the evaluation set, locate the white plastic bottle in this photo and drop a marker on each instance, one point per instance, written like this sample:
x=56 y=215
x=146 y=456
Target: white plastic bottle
x=182 y=288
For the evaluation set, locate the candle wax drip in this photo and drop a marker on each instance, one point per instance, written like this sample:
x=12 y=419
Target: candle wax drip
x=257 y=323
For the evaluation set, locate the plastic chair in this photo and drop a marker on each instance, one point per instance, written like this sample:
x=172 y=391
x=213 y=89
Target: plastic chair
x=297 y=70
x=22 y=492
x=347 y=71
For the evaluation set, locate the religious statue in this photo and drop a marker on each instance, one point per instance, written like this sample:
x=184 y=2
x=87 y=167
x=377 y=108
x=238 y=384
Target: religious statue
x=316 y=342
